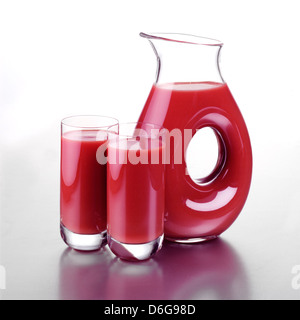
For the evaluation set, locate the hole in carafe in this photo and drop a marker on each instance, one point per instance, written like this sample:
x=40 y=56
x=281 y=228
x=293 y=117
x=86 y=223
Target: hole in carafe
x=203 y=156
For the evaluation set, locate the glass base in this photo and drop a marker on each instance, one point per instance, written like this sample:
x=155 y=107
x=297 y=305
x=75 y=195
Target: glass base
x=135 y=252
x=191 y=240
x=83 y=242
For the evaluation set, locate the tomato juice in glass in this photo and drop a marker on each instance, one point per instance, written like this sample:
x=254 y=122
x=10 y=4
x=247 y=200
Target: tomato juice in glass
x=83 y=181
x=135 y=193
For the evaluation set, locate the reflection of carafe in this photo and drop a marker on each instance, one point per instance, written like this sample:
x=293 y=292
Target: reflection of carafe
x=213 y=270
x=190 y=94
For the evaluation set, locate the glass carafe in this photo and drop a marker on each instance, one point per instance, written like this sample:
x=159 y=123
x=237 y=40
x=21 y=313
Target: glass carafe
x=190 y=94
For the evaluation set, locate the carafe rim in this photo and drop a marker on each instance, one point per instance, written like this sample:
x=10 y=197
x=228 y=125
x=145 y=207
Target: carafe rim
x=182 y=38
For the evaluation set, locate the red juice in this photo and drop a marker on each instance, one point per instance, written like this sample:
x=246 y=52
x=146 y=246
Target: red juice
x=83 y=183
x=202 y=210
x=135 y=193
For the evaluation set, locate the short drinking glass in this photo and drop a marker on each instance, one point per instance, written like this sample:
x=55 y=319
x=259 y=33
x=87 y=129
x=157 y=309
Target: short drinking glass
x=83 y=181
x=135 y=190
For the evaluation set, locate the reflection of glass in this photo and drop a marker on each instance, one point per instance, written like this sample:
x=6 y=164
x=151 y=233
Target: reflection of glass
x=210 y=270
x=135 y=190
x=83 y=275
x=132 y=281
x=83 y=181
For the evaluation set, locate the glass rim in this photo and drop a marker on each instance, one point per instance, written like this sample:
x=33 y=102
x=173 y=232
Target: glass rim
x=182 y=38
x=131 y=136
x=64 y=122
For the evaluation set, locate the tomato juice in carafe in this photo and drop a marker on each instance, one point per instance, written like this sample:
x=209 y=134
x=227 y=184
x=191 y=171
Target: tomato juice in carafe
x=190 y=94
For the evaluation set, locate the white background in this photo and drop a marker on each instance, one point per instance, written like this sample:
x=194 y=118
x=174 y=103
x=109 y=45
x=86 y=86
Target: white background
x=61 y=58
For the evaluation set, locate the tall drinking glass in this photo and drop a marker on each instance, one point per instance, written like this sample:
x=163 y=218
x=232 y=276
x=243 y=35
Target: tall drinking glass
x=83 y=181
x=135 y=190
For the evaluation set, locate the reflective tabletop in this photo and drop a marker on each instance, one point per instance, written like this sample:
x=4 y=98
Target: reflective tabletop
x=258 y=257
